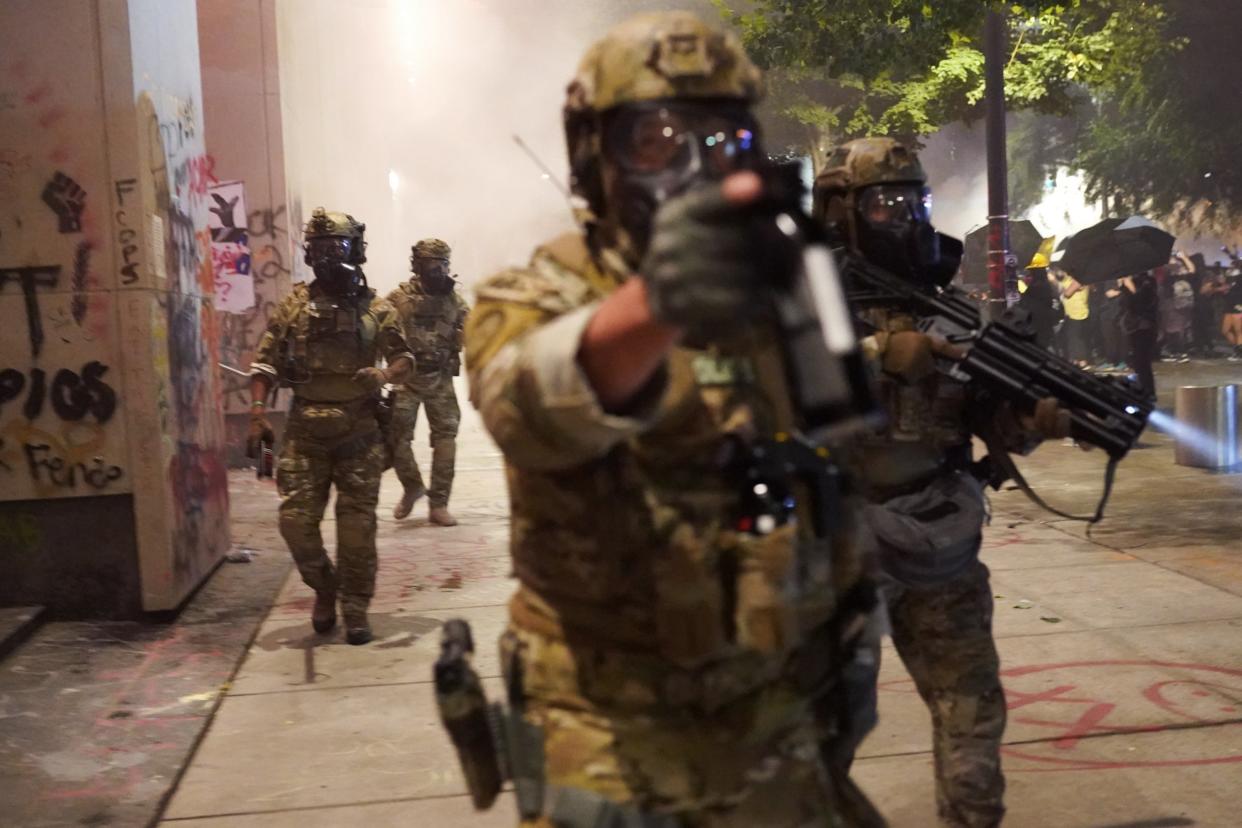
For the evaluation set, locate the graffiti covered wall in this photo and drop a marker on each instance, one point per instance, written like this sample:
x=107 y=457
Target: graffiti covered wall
x=60 y=394
x=108 y=394
x=183 y=512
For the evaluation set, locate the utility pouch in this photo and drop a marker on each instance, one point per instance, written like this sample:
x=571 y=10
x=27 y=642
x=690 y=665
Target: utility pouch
x=690 y=613
x=324 y=421
x=928 y=537
x=328 y=318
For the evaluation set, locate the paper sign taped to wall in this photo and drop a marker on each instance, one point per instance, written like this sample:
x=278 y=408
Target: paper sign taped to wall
x=230 y=247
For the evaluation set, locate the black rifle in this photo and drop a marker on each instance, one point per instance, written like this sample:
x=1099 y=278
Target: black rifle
x=1003 y=358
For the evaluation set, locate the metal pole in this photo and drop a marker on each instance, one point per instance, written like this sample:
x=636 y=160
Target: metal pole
x=1002 y=271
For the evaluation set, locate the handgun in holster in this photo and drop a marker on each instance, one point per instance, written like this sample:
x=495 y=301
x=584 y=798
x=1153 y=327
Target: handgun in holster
x=494 y=743
x=385 y=408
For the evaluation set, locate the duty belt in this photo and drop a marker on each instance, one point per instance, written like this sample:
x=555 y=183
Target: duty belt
x=429 y=363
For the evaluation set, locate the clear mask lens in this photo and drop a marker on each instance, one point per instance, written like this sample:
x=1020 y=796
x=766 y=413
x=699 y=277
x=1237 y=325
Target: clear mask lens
x=667 y=138
x=895 y=206
x=329 y=248
x=428 y=267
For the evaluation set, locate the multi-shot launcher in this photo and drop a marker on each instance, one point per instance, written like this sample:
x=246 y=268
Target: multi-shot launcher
x=1003 y=358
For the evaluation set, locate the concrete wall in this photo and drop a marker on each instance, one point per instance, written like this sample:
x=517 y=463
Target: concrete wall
x=103 y=242
x=242 y=111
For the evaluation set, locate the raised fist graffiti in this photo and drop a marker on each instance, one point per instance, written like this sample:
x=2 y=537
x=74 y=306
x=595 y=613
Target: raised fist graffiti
x=66 y=199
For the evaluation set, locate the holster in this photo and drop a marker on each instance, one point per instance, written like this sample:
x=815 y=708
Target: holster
x=384 y=418
x=494 y=742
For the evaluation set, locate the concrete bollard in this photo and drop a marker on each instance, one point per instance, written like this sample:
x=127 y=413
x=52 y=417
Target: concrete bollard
x=1211 y=413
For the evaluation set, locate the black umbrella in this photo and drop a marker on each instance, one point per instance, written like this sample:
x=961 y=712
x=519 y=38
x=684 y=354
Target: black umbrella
x=1024 y=242
x=1115 y=248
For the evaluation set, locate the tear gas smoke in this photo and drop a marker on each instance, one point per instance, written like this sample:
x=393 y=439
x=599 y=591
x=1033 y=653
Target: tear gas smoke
x=402 y=112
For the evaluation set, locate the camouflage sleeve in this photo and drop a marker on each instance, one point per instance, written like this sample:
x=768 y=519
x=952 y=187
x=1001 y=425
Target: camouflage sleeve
x=267 y=353
x=390 y=338
x=522 y=340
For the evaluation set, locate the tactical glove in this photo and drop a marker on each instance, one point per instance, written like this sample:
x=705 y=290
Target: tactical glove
x=260 y=432
x=1048 y=420
x=908 y=355
x=372 y=379
x=708 y=261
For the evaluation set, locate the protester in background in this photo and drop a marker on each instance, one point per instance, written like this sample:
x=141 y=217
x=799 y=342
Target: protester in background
x=1074 y=298
x=1201 y=333
x=1212 y=291
x=1177 y=311
x=1095 y=337
x=1140 y=305
x=1231 y=324
x=1038 y=299
x=1112 y=338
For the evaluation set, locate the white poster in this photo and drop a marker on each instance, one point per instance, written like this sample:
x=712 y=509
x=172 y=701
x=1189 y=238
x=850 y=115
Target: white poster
x=230 y=248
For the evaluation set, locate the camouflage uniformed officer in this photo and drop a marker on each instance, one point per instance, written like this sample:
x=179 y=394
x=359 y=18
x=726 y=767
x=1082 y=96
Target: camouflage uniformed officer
x=433 y=314
x=927 y=511
x=668 y=656
x=325 y=341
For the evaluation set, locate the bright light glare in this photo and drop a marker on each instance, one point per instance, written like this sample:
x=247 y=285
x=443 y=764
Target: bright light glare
x=394 y=182
x=1203 y=444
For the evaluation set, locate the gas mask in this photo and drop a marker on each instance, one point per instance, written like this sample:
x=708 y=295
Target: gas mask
x=660 y=149
x=329 y=258
x=895 y=233
x=433 y=274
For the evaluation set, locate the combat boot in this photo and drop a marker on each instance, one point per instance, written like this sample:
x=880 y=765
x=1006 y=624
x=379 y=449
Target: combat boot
x=408 y=498
x=357 y=628
x=323 y=616
x=440 y=516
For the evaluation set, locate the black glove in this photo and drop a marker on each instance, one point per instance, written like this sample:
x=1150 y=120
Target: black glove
x=709 y=261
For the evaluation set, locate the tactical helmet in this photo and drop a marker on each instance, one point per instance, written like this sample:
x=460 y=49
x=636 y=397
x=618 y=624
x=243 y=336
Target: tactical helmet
x=862 y=163
x=431 y=249
x=650 y=57
x=334 y=225
x=873 y=193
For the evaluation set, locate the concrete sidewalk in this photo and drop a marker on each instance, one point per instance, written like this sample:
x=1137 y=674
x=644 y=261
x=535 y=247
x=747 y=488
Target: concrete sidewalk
x=1122 y=655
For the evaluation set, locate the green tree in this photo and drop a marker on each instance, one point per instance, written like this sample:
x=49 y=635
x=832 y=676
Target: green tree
x=1107 y=87
x=1166 y=139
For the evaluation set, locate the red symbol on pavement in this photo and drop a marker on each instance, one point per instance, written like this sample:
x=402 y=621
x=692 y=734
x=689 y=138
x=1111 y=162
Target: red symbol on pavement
x=1141 y=699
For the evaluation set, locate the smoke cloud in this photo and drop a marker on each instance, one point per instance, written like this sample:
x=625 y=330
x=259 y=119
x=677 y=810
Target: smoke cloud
x=402 y=112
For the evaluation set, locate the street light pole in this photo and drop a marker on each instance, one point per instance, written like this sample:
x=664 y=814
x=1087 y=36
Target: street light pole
x=1002 y=271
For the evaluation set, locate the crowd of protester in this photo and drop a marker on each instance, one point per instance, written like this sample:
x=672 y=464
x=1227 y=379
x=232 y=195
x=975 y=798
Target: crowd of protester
x=1187 y=309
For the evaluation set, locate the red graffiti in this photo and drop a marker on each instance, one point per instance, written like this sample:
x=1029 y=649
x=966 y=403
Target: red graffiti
x=1057 y=714
x=195 y=175
x=1141 y=699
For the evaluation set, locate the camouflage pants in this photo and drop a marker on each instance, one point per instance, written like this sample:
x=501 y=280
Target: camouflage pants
x=756 y=763
x=443 y=416
x=944 y=637
x=307 y=471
